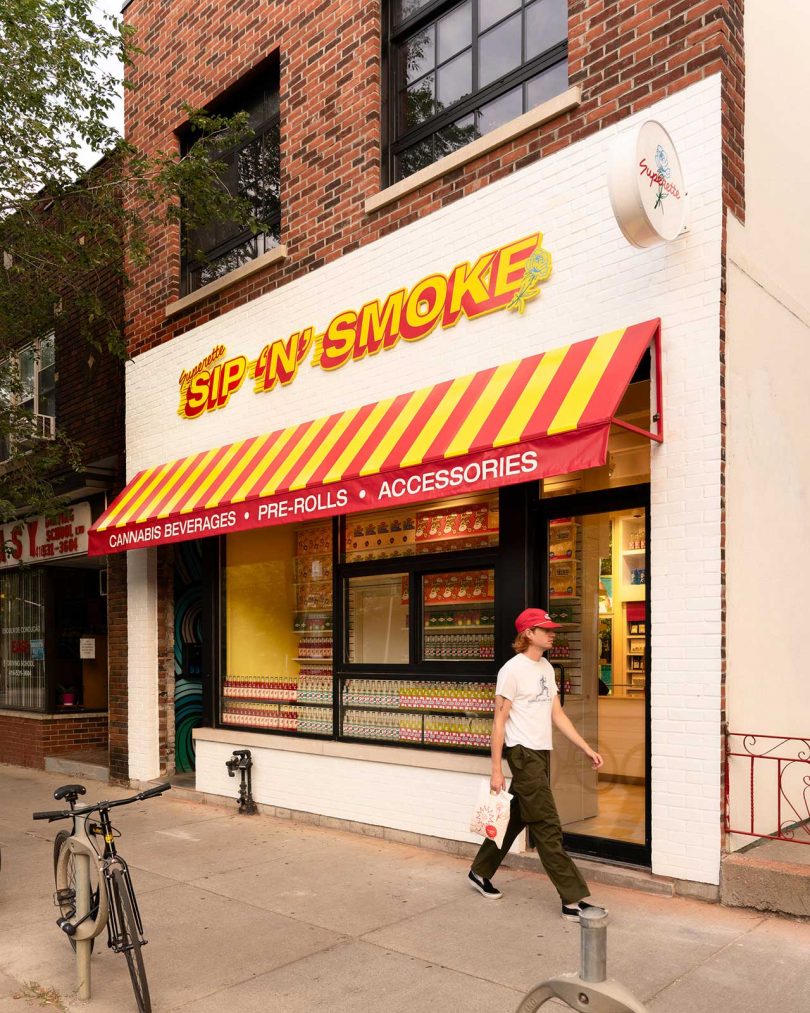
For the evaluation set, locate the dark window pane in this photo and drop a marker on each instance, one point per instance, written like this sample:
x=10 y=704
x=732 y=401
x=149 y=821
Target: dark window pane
x=418 y=55
x=259 y=173
x=415 y=158
x=454 y=80
x=546 y=24
x=404 y=8
x=46 y=351
x=455 y=136
x=227 y=262
x=551 y=82
x=503 y=109
x=490 y=11
x=455 y=31
x=418 y=102
x=499 y=51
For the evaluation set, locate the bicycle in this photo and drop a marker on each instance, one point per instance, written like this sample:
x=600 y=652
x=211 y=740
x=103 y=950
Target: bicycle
x=109 y=896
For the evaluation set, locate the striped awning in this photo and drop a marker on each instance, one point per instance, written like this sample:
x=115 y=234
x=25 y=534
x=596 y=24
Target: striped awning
x=548 y=414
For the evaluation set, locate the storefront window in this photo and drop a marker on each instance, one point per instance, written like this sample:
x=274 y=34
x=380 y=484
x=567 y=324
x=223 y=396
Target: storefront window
x=459 y=616
x=377 y=631
x=278 y=629
x=450 y=525
x=22 y=643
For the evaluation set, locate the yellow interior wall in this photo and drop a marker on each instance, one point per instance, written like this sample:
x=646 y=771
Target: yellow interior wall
x=260 y=602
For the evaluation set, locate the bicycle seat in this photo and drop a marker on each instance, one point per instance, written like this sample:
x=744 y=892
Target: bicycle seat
x=69 y=789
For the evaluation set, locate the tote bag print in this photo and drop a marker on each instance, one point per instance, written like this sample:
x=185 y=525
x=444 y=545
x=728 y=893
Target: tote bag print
x=490 y=816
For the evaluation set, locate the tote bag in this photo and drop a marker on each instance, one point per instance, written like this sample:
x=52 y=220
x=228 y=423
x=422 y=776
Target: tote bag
x=490 y=816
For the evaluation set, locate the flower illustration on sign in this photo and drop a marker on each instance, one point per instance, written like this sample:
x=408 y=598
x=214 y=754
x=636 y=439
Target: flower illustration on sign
x=537 y=270
x=664 y=173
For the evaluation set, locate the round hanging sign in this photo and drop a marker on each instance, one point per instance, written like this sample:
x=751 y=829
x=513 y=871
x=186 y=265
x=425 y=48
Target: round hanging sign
x=646 y=186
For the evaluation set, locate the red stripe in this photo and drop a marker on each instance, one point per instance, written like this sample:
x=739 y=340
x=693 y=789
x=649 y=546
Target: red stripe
x=545 y=412
x=468 y=400
x=619 y=372
x=505 y=403
x=267 y=473
x=258 y=485
x=416 y=425
x=221 y=485
x=164 y=494
x=343 y=441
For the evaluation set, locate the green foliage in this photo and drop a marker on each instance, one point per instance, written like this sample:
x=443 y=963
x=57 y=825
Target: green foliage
x=70 y=238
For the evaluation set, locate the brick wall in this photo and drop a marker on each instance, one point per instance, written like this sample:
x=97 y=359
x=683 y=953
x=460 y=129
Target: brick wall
x=626 y=57
x=26 y=741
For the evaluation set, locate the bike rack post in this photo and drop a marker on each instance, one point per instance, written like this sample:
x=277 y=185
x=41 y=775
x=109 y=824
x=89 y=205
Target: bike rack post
x=590 y=991
x=83 y=946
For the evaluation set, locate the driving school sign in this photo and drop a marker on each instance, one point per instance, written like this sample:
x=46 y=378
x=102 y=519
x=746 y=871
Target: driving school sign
x=40 y=539
x=504 y=278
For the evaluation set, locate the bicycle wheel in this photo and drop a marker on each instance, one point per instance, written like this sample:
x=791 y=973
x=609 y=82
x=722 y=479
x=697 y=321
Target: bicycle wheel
x=130 y=940
x=66 y=891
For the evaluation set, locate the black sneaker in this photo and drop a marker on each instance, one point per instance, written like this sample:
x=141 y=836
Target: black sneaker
x=484 y=886
x=571 y=912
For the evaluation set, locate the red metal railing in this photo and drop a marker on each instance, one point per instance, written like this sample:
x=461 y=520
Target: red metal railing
x=767 y=787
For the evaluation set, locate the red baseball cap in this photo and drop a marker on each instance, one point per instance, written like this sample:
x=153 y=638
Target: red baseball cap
x=535 y=617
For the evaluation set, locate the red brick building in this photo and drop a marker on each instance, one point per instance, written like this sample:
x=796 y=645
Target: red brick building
x=402 y=149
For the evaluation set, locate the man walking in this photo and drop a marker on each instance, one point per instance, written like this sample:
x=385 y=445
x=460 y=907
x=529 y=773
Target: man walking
x=526 y=705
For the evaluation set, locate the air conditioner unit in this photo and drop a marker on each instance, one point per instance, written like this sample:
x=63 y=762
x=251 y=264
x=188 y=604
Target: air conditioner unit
x=44 y=427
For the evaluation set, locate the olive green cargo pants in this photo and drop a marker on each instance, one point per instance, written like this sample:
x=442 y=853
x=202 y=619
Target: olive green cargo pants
x=533 y=807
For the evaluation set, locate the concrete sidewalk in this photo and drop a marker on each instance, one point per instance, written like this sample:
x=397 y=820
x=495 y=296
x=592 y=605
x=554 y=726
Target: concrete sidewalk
x=257 y=913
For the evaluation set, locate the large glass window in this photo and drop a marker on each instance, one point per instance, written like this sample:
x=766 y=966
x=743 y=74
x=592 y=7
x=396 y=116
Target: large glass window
x=459 y=70
x=22 y=644
x=252 y=171
x=278 y=629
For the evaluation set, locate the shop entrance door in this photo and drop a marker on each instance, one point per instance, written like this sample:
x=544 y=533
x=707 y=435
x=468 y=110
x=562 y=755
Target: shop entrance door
x=595 y=583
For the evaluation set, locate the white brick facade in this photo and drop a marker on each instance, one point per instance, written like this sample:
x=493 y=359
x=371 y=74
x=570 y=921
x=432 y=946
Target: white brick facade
x=599 y=283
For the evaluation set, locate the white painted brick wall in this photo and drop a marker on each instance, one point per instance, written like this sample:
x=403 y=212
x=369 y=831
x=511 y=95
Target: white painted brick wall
x=142 y=665
x=599 y=283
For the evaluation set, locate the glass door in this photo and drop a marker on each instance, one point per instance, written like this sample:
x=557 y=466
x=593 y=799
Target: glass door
x=596 y=587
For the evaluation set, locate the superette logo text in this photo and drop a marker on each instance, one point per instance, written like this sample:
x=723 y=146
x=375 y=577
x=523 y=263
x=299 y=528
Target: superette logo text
x=505 y=278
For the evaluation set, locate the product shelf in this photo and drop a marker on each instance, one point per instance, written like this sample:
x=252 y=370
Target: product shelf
x=394 y=709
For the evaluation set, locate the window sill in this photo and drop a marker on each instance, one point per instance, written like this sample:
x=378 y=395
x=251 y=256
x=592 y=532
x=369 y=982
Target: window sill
x=549 y=110
x=464 y=763
x=266 y=259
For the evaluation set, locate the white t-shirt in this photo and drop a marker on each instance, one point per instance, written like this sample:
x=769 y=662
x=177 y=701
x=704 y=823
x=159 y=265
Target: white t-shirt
x=531 y=687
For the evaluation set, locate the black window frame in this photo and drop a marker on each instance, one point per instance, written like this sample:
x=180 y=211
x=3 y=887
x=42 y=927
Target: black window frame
x=395 y=36
x=253 y=89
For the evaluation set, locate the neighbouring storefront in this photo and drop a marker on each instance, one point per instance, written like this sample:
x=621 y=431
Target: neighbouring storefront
x=53 y=638
x=382 y=462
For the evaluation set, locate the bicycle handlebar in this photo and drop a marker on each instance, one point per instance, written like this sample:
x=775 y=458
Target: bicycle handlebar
x=63 y=814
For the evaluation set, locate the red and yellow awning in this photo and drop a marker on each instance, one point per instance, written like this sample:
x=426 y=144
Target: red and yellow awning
x=548 y=414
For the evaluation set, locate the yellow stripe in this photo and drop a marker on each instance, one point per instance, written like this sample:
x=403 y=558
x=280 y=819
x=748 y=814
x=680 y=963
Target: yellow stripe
x=338 y=469
x=397 y=428
x=169 y=484
x=581 y=391
x=227 y=481
x=289 y=461
x=188 y=482
x=214 y=475
x=262 y=460
x=533 y=393
x=481 y=410
x=326 y=444
x=126 y=497
x=145 y=495
x=434 y=424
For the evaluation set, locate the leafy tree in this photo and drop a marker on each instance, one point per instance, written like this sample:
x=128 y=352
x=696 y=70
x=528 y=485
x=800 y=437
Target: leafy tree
x=69 y=236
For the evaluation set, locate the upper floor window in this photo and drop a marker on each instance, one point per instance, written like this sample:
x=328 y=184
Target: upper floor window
x=252 y=172
x=28 y=383
x=459 y=70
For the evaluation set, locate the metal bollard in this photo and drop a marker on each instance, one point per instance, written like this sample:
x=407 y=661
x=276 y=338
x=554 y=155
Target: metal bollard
x=590 y=991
